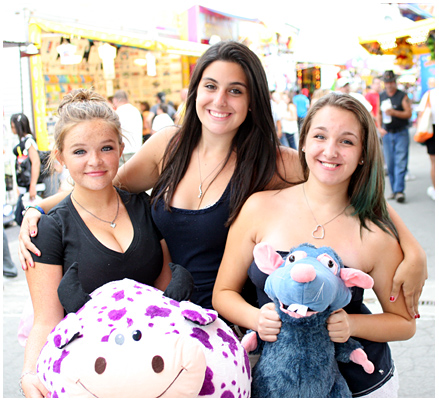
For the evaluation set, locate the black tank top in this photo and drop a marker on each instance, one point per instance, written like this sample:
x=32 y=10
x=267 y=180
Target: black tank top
x=396 y=101
x=360 y=383
x=196 y=240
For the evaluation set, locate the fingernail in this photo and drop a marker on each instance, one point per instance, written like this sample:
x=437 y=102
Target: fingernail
x=23 y=267
x=417 y=316
x=392 y=298
x=48 y=395
x=32 y=233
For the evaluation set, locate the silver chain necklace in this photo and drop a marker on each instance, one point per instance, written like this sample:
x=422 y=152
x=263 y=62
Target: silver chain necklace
x=112 y=223
x=320 y=227
x=201 y=193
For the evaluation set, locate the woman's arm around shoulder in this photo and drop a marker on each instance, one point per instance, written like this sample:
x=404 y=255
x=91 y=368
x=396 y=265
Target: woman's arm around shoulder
x=142 y=171
x=289 y=168
x=232 y=274
x=412 y=271
x=383 y=254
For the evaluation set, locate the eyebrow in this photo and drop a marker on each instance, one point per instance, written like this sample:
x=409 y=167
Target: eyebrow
x=230 y=83
x=343 y=133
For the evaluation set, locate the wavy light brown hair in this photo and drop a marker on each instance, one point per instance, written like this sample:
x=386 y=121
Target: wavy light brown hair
x=366 y=187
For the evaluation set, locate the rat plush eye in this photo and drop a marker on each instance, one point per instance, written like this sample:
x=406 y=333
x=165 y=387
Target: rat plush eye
x=296 y=256
x=328 y=262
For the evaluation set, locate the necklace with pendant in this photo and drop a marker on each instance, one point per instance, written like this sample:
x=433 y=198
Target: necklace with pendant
x=200 y=188
x=319 y=231
x=112 y=223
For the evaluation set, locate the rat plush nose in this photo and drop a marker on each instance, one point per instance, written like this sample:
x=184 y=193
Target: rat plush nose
x=303 y=273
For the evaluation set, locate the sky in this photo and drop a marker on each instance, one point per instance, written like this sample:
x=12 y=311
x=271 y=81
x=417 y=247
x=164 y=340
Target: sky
x=327 y=28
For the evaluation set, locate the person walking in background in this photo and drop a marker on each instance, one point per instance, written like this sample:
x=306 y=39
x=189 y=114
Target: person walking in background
x=430 y=143
x=28 y=163
x=179 y=114
x=160 y=100
x=162 y=119
x=373 y=97
x=395 y=112
x=132 y=125
x=275 y=111
x=302 y=105
x=9 y=268
x=144 y=110
x=290 y=127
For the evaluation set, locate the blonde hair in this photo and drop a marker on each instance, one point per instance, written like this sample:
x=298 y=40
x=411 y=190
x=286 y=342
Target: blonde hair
x=79 y=106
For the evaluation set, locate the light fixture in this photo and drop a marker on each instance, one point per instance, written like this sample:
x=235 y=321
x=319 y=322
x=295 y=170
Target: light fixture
x=150 y=64
x=31 y=49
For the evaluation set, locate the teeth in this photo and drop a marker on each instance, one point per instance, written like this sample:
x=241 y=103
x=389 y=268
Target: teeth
x=333 y=165
x=298 y=308
x=214 y=114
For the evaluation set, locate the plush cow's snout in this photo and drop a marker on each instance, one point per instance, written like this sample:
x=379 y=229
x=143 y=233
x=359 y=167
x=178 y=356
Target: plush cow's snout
x=303 y=273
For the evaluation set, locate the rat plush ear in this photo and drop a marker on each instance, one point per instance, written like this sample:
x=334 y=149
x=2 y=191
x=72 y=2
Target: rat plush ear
x=266 y=258
x=70 y=291
x=355 y=277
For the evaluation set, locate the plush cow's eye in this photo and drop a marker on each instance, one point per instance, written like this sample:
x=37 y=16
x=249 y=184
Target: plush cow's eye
x=157 y=364
x=137 y=335
x=119 y=339
x=100 y=365
x=292 y=258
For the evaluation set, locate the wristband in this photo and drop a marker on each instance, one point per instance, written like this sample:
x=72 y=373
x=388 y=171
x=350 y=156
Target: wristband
x=21 y=379
x=41 y=210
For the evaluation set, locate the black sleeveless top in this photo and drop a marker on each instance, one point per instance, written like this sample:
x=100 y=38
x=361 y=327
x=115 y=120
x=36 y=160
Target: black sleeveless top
x=396 y=101
x=196 y=240
x=360 y=383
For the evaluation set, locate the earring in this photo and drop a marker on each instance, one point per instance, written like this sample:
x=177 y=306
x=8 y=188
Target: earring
x=303 y=149
x=362 y=162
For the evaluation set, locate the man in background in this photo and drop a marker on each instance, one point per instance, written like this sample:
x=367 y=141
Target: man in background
x=395 y=112
x=302 y=105
x=131 y=123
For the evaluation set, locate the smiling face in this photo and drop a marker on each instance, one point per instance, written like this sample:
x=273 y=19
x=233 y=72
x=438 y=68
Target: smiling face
x=91 y=152
x=333 y=145
x=222 y=98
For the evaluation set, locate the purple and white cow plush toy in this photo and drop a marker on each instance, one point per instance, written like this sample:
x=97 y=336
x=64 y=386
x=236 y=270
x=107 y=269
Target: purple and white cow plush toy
x=130 y=340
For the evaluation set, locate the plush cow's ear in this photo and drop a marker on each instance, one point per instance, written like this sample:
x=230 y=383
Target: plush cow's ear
x=181 y=285
x=355 y=277
x=197 y=314
x=266 y=258
x=70 y=292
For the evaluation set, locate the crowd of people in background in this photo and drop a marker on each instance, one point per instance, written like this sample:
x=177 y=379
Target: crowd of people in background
x=289 y=108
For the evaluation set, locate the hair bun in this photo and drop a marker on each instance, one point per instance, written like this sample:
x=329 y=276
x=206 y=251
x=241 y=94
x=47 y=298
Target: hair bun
x=81 y=95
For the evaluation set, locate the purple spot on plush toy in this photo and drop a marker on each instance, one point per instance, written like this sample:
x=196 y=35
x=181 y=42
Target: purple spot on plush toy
x=202 y=336
x=116 y=315
x=227 y=394
x=57 y=363
x=154 y=311
x=130 y=322
x=194 y=316
x=119 y=295
x=208 y=388
x=57 y=341
x=233 y=346
x=174 y=303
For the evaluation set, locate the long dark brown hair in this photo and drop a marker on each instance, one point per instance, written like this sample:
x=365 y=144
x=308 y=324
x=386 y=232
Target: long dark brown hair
x=256 y=143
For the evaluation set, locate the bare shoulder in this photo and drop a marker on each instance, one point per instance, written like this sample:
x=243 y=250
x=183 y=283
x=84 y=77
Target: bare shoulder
x=380 y=245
